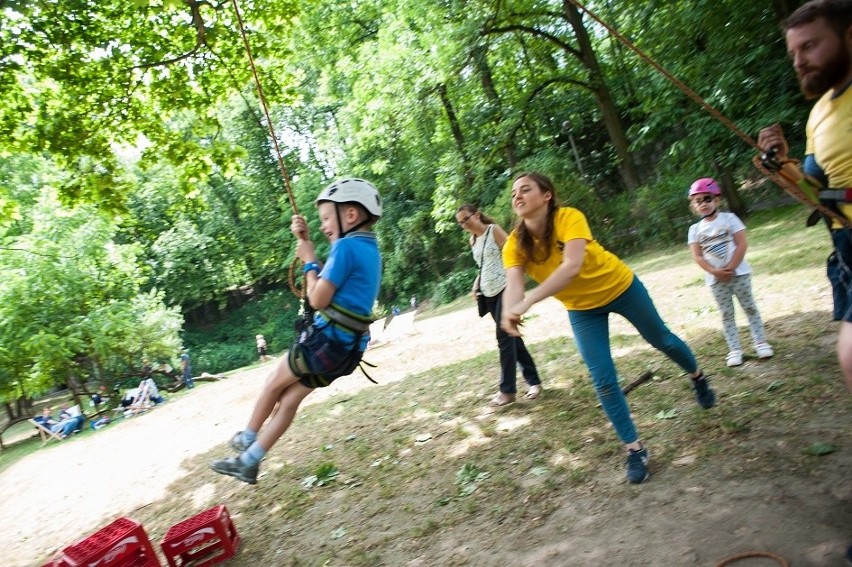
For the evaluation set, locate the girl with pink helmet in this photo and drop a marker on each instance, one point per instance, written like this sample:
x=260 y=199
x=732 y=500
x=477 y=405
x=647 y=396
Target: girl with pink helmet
x=718 y=245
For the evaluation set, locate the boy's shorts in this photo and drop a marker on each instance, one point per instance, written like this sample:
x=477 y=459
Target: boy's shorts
x=317 y=360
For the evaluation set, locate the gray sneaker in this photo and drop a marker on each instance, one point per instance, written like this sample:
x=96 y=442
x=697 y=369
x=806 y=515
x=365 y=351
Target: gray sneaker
x=235 y=468
x=237 y=443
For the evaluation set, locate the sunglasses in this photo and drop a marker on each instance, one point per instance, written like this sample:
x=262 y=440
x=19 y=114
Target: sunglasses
x=704 y=199
x=465 y=219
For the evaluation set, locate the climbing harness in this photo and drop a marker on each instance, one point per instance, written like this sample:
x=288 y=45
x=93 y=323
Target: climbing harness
x=306 y=330
x=790 y=179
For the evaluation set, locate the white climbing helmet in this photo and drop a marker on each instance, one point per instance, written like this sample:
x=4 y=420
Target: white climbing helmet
x=353 y=190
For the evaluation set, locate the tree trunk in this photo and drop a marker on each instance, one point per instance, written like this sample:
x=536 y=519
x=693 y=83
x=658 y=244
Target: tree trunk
x=487 y=80
x=457 y=134
x=611 y=117
x=730 y=191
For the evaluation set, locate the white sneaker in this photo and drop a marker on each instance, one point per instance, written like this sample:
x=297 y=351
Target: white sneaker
x=764 y=350
x=734 y=358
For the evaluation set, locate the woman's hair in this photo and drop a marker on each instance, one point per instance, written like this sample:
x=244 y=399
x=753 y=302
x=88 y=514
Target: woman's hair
x=472 y=210
x=533 y=253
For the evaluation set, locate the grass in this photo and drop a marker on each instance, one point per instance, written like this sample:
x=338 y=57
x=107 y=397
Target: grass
x=421 y=463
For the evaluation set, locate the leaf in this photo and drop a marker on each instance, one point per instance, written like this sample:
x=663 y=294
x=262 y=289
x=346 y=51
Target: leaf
x=776 y=384
x=666 y=414
x=820 y=449
x=338 y=533
x=538 y=471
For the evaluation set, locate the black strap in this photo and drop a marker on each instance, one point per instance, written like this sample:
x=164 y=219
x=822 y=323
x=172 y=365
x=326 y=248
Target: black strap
x=838 y=195
x=482 y=257
x=347 y=320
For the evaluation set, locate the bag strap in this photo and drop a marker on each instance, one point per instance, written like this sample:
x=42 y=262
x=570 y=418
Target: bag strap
x=482 y=257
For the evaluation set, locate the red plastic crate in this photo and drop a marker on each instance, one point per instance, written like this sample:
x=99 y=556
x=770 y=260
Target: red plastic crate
x=204 y=539
x=122 y=543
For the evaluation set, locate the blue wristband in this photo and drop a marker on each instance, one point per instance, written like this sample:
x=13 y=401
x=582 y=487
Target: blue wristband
x=311 y=266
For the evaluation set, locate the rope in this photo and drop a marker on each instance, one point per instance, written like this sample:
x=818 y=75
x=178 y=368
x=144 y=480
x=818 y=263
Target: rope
x=780 y=178
x=748 y=554
x=281 y=167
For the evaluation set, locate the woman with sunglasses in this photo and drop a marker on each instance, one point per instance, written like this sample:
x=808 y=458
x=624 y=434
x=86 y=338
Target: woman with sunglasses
x=555 y=247
x=486 y=242
x=718 y=245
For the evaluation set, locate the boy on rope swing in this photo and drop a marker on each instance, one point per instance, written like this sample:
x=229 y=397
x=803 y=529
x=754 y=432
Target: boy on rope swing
x=332 y=343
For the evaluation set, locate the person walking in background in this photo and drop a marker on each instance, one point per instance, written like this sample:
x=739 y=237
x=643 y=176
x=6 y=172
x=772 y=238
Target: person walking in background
x=261 y=348
x=343 y=293
x=486 y=243
x=819 y=40
x=718 y=245
x=186 y=369
x=554 y=246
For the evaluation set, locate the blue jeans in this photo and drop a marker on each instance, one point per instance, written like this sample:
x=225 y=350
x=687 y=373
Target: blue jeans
x=71 y=425
x=591 y=333
x=839 y=269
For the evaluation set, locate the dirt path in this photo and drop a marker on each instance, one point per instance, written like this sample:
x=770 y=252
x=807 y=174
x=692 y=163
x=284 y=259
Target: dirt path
x=130 y=463
x=692 y=518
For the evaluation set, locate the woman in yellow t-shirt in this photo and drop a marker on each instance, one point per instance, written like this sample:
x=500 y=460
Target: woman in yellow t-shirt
x=554 y=245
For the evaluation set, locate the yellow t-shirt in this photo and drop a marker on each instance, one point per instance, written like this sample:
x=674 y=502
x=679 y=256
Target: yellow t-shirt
x=829 y=132
x=602 y=278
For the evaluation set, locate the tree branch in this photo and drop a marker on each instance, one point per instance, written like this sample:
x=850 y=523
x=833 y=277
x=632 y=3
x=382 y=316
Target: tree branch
x=534 y=32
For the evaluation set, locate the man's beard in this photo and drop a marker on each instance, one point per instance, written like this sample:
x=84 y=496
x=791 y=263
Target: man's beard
x=820 y=79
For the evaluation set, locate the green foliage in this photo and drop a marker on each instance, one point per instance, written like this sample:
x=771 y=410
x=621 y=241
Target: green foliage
x=147 y=110
x=455 y=285
x=230 y=343
x=71 y=306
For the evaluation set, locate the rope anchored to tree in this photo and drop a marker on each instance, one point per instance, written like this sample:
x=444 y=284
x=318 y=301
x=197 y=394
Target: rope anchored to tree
x=788 y=178
x=291 y=276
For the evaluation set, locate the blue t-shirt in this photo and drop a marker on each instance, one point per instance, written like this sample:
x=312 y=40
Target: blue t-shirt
x=354 y=266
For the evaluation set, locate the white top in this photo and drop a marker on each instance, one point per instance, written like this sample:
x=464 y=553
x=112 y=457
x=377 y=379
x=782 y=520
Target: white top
x=74 y=411
x=716 y=240
x=493 y=277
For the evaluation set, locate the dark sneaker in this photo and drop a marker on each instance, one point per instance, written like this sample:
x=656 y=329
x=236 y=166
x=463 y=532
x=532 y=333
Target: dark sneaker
x=703 y=393
x=637 y=465
x=237 y=443
x=235 y=468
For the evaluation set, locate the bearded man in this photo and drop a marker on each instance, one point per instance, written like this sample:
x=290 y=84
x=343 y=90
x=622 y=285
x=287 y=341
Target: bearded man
x=819 y=41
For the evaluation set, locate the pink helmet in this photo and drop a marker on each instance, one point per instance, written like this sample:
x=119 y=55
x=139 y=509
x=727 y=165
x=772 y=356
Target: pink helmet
x=705 y=185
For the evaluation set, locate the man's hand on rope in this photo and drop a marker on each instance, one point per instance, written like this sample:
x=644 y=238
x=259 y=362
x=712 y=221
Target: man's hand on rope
x=772 y=138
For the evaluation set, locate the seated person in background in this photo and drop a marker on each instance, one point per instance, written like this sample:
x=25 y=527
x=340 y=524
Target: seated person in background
x=152 y=391
x=99 y=397
x=142 y=397
x=128 y=397
x=46 y=420
x=261 y=347
x=71 y=419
